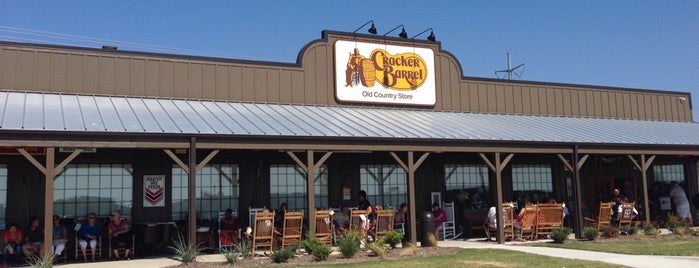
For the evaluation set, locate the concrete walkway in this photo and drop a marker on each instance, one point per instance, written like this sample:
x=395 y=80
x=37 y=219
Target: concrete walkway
x=622 y=259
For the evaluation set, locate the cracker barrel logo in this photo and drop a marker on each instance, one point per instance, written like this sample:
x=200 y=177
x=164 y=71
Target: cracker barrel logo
x=402 y=71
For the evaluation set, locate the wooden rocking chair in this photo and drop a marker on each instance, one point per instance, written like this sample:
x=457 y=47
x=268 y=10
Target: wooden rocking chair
x=292 y=232
x=263 y=231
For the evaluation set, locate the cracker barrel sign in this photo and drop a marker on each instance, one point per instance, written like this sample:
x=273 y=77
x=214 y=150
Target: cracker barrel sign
x=154 y=191
x=366 y=72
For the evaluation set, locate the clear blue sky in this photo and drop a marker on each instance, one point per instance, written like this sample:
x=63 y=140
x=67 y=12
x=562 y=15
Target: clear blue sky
x=636 y=44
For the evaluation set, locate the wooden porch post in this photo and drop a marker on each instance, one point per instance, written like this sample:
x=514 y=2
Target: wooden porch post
x=49 y=171
x=310 y=167
x=497 y=168
x=643 y=167
x=192 y=193
x=191 y=183
x=410 y=168
x=577 y=194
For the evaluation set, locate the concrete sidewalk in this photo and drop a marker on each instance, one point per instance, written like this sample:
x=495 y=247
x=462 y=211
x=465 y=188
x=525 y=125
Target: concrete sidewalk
x=622 y=259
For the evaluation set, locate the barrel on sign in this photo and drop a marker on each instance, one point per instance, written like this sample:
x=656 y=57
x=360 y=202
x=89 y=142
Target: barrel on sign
x=368 y=73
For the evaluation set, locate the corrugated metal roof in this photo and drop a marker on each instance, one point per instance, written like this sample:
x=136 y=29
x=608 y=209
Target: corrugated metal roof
x=86 y=113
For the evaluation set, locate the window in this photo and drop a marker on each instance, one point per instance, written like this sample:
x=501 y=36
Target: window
x=385 y=185
x=83 y=188
x=467 y=185
x=217 y=189
x=288 y=185
x=3 y=196
x=668 y=173
x=534 y=180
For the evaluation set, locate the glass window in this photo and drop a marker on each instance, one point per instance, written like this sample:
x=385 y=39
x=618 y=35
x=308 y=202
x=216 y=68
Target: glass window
x=218 y=189
x=385 y=185
x=535 y=181
x=467 y=185
x=668 y=173
x=288 y=185
x=81 y=188
x=3 y=196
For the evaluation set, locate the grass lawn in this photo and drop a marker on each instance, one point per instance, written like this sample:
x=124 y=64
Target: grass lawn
x=480 y=258
x=672 y=247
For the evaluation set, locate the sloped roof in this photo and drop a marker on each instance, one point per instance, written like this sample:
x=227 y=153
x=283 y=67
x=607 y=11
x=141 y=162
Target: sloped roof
x=54 y=112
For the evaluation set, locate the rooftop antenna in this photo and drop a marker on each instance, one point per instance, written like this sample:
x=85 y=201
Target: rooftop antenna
x=510 y=70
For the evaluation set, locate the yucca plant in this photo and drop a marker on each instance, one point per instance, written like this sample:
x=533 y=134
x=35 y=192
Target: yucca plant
x=187 y=252
x=230 y=254
x=42 y=260
x=409 y=249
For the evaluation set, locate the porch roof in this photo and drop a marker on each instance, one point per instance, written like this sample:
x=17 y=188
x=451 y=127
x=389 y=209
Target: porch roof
x=76 y=113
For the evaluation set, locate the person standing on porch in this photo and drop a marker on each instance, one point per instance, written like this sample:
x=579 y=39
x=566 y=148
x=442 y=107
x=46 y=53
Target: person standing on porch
x=679 y=199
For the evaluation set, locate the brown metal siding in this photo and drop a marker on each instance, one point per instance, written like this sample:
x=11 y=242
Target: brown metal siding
x=96 y=72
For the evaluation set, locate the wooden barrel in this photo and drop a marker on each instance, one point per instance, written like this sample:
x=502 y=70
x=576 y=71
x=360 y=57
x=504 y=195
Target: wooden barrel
x=368 y=73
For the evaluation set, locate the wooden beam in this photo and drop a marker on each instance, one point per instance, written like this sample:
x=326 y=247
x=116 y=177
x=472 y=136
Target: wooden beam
x=66 y=161
x=498 y=206
x=32 y=160
x=207 y=159
x=646 y=164
x=582 y=160
x=192 y=194
x=297 y=160
x=310 y=183
x=487 y=161
x=565 y=162
x=411 y=198
x=177 y=160
x=342 y=146
x=94 y=144
x=48 y=200
x=506 y=161
x=400 y=162
x=322 y=160
x=635 y=163
x=420 y=160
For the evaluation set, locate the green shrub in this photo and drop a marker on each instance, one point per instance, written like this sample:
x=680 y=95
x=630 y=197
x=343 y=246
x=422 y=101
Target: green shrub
x=610 y=232
x=186 y=251
x=321 y=251
x=349 y=245
x=392 y=238
x=560 y=235
x=673 y=222
x=283 y=255
x=590 y=233
x=695 y=233
x=310 y=242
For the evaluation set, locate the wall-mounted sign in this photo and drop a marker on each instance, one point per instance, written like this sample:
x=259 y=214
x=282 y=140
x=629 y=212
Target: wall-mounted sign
x=153 y=191
x=72 y=149
x=30 y=150
x=378 y=73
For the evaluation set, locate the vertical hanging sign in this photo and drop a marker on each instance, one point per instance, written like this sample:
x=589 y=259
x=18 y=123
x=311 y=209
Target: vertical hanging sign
x=154 y=191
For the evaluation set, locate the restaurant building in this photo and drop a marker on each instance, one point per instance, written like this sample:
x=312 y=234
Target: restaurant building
x=91 y=130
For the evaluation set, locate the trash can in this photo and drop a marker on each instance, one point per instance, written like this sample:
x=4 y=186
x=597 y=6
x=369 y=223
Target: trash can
x=427 y=228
